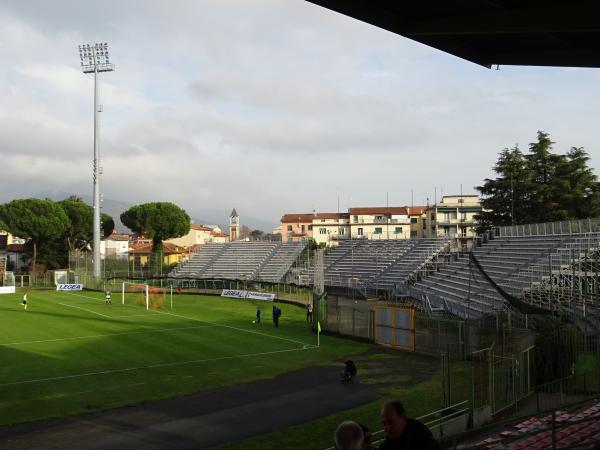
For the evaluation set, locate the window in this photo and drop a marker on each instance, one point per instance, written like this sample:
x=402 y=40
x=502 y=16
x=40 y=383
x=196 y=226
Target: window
x=310 y=227
x=424 y=224
x=398 y=230
x=302 y=228
x=463 y=216
x=413 y=233
x=341 y=231
x=378 y=217
x=461 y=200
x=432 y=216
x=289 y=228
x=378 y=230
x=322 y=230
x=360 y=232
x=355 y=219
x=322 y=220
x=413 y=220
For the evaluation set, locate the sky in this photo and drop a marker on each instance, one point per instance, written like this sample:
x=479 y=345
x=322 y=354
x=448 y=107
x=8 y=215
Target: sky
x=268 y=106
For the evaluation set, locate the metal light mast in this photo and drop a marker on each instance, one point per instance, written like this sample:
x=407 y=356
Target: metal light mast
x=94 y=59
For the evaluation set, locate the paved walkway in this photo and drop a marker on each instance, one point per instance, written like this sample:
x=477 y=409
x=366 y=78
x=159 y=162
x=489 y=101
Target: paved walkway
x=200 y=420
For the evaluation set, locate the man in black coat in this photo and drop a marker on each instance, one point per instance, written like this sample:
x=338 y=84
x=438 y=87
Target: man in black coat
x=404 y=433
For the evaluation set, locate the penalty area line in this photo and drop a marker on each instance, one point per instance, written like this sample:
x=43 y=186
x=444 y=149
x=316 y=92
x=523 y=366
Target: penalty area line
x=152 y=366
x=85 y=309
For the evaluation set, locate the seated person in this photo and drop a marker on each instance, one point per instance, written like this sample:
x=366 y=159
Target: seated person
x=349 y=371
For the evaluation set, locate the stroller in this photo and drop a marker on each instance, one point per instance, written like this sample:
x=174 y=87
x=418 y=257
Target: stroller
x=349 y=372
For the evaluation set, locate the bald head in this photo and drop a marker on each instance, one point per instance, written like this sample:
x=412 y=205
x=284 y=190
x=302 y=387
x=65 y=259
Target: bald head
x=393 y=418
x=349 y=436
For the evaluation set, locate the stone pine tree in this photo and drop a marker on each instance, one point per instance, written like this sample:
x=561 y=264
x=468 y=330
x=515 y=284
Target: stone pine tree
x=80 y=231
x=157 y=221
x=40 y=221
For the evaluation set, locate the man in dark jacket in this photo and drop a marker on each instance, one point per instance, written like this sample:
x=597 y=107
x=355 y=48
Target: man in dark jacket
x=404 y=433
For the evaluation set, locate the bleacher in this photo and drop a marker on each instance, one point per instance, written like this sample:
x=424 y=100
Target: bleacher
x=460 y=288
x=381 y=264
x=268 y=261
x=577 y=429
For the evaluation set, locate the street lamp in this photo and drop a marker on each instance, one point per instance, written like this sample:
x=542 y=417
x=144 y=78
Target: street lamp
x=94 y=59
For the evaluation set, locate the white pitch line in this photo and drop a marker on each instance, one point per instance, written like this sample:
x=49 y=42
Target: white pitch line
x=151 y=330
x=153 y=366
x=85 y=309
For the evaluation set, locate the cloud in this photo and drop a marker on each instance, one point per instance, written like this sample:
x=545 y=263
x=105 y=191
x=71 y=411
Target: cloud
x=267 y=106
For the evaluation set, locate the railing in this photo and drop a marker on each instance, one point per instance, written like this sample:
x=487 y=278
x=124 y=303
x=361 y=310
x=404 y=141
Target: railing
x=434 y=419
x=549 y=228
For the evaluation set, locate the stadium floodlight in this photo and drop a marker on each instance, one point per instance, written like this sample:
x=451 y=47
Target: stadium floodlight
x=94 y=59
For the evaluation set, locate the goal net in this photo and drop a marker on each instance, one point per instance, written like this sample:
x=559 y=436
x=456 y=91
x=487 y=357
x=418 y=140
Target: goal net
x=143 y=295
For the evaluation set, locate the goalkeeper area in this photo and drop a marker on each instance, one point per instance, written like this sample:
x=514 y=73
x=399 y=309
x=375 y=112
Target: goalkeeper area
x=69 y=352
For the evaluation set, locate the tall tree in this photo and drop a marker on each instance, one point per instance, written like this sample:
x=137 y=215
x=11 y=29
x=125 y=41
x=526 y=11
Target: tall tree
x=539 y=187
x=79 y=233
x=40 y=221
x=505 y=195
x=157 y=221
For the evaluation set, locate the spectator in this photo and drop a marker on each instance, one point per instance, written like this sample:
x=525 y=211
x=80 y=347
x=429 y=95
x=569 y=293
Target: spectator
x=404 y=433
x=349 y=436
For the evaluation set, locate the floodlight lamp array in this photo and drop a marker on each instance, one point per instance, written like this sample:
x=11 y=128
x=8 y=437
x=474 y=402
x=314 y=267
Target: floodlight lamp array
x=95 y=57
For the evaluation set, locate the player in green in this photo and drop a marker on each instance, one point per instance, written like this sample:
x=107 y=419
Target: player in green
x=24 y=302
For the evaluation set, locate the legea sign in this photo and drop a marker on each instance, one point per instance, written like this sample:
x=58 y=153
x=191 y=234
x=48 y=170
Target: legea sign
x=69 y=287
x=7 y=290
x=265 y=296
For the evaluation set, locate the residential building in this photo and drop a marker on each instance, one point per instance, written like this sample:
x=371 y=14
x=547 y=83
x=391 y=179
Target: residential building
x=115 y=246
x=330 y=228
x=296 y=227
x=172 y=254
x=454 y=216
x=418 y=221
x=380 y=223
x=199 y=235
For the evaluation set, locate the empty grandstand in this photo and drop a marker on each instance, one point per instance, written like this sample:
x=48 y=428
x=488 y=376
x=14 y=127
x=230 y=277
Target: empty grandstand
x=260 y=261
x=517 y=270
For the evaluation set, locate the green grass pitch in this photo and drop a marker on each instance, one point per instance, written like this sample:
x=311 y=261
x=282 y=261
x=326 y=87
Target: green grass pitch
x=70 y=353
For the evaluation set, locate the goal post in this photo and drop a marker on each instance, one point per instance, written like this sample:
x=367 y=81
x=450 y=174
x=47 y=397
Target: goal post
x=135 y=294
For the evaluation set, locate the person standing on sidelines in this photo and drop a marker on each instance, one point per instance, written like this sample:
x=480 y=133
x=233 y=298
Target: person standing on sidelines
x=24 y=302
x=309 y=313
x=257 y=313
x=107 y=296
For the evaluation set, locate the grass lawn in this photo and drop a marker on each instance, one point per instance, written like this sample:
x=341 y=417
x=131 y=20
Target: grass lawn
x=71 y=353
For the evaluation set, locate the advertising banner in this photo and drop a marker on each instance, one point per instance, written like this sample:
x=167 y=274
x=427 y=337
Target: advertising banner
x=264 y=296
x=233 y=293
x=69 y=287
x=7 y=290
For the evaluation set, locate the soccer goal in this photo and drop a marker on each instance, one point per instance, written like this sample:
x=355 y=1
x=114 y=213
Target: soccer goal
x=144 y=295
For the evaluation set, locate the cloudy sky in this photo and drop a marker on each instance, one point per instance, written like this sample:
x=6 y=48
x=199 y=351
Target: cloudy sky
x=268 y=106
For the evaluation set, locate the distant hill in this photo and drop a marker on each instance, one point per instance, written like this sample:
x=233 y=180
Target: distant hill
x=114 y=208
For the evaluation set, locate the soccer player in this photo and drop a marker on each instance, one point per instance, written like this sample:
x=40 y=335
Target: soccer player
x=107 y=296
x=24 y=302
x=257 y=314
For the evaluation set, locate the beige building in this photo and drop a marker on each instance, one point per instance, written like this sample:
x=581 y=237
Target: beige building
x=454 y=216
x=380 y=223
x=199 y=235
x=115 y=246
x=330 y=228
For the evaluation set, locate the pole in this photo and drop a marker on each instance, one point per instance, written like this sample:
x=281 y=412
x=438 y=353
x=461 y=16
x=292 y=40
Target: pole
x=96 y=176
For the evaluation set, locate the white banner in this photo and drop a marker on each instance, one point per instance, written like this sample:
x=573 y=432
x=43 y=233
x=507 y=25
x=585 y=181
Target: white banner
x=7 y=290
x=265 y=296
x=233 y=293
x=69 y=287
x=261 y=296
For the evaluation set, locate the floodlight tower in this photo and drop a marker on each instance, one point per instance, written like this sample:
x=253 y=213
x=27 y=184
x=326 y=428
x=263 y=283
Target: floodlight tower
x=94 y=59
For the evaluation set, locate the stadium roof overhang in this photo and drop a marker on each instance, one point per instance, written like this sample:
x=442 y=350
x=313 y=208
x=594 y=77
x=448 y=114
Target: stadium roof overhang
x=491 y=32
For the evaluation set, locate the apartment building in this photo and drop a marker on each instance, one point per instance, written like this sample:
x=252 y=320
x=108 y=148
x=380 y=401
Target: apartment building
x=454 y=216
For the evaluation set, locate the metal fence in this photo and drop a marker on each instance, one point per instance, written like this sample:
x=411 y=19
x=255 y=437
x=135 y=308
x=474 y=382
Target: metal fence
x=544 y=229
